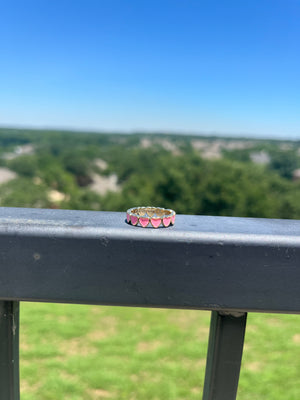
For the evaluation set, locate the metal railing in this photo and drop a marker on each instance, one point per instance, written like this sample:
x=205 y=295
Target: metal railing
x=230 y=266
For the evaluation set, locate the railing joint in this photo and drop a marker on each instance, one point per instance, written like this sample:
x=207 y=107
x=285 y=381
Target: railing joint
x=236 y=314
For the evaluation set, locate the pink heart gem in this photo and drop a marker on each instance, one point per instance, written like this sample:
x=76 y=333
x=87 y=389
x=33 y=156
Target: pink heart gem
x=144 y=221
x=155 y=222
x=173 y=219
x=166 y=221
x=134 y=220
x=128 y=217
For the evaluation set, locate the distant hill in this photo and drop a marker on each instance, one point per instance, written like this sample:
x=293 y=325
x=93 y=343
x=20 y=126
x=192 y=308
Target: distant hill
x=194 y=174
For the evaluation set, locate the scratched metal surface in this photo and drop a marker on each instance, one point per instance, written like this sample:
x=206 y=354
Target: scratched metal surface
x=216 y=263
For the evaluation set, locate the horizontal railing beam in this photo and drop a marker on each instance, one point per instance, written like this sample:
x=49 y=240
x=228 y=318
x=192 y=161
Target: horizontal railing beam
x=215 y=263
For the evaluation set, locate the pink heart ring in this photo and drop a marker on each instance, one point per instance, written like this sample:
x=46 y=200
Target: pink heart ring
x=150 y=216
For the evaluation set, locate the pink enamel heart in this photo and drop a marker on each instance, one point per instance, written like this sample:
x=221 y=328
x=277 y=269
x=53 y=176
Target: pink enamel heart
x=134 y=220
x=155 y=222
x=166 y=221
x=128 y=217
x=173 y=219
x=144 y=221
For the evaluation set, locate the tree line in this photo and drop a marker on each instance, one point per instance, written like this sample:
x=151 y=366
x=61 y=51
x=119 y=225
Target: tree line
x=232 y=185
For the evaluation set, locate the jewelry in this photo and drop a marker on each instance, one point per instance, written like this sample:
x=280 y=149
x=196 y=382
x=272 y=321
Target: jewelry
x=150 y=215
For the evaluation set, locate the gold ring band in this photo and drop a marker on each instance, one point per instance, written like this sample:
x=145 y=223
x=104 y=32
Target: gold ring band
x=146 y=216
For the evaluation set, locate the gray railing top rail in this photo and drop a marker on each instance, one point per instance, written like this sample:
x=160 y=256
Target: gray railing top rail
x=227 y=265
x=215 y=263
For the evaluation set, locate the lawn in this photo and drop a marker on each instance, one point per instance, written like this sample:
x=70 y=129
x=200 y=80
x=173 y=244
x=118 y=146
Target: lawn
x=74 y=352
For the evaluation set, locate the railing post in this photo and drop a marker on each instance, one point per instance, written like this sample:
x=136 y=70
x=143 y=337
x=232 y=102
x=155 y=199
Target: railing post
x=224 y=355
x=9 y=350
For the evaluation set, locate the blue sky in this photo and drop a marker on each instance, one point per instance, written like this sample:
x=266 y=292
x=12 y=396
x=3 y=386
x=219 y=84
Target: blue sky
x=229 y=67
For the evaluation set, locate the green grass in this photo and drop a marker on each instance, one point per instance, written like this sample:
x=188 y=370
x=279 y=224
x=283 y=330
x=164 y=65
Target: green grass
x=74 y=352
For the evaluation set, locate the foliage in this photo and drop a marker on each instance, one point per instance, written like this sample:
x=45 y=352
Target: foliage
x=232 y=185
x=23 y=192
x=284 y=162
x=24 y=165
x=192 y=185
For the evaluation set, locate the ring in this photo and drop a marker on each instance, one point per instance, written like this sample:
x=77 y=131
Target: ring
x=150 y=215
